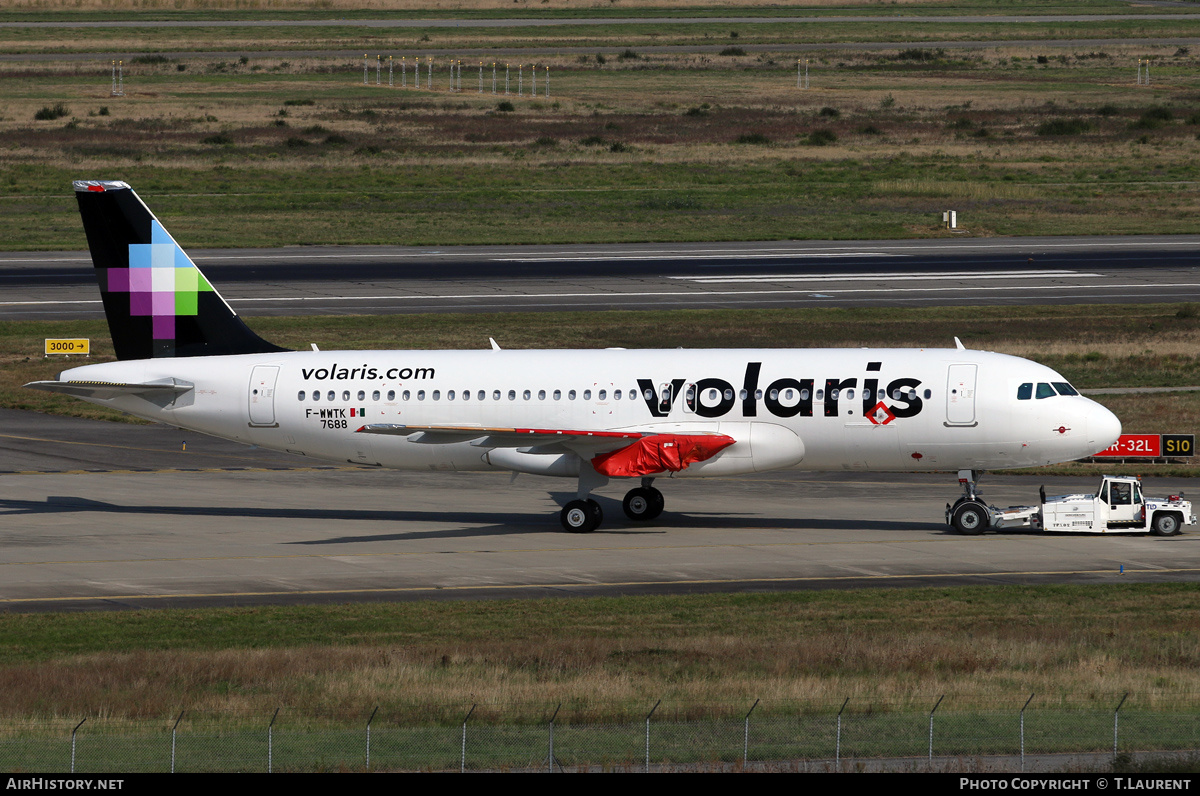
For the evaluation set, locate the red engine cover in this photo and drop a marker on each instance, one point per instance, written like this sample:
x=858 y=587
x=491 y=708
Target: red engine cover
x=661 y=452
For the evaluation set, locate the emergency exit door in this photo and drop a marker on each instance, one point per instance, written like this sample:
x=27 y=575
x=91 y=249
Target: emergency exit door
x=960 y=395
x=262 y=395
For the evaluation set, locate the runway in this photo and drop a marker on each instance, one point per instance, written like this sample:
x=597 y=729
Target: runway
x=97 y=517
x=393 y=279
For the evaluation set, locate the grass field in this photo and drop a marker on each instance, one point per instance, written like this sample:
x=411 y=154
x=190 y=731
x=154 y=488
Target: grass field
x=371 y=9
x=636 y=145
x=335 y=37
x=709 y=744
x=606 y=659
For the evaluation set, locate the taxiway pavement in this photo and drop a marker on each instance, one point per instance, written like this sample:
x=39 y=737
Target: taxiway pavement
x=94 y=515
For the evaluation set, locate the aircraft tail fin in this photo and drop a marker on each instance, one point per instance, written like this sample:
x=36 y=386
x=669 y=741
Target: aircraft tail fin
x=157 y=302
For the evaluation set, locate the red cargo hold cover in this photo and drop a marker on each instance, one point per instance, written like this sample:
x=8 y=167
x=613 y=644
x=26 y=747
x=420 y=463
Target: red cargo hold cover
x=661 y=452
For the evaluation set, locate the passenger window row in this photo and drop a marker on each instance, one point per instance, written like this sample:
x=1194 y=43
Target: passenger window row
x=908 y=393
x=710 y=395
x=466 y=395
x=332 y=395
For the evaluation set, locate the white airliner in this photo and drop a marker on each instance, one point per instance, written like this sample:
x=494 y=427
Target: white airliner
x=187 y=360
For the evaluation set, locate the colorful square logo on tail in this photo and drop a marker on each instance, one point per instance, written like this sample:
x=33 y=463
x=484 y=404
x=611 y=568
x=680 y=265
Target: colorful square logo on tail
x=161 y=280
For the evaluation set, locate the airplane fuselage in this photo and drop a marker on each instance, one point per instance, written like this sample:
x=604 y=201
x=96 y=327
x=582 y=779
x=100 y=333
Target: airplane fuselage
x=818 y=409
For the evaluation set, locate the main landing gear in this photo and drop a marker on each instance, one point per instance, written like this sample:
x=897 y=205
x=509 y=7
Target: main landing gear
x=581 y=516
x=584 y=514
x=643 y=503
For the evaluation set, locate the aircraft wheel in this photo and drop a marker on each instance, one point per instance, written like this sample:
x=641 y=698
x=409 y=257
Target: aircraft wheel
x=581 y=516
x=597 y=513
x=970 y=519
x=659 y=503
x=643 y=503
x=1165 y=524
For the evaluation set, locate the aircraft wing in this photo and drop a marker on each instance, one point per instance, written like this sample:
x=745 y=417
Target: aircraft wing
x=496 y=437
x=613 y=453
x=105 y=390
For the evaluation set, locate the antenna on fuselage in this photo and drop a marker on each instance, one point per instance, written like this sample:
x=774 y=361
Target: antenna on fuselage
x=958 y=344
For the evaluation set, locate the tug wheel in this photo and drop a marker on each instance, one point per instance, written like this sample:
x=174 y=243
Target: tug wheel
x=1165 y=524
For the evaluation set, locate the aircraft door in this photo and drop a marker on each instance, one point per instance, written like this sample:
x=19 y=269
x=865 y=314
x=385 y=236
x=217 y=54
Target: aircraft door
x=960 y=395
x=262 y=395
x=666 y=395
x=689 y=399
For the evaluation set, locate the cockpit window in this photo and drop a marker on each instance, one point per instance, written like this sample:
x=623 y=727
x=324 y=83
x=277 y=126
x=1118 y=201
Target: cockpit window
x=1045 y=391
x=1064 y=388
x=1025 y=391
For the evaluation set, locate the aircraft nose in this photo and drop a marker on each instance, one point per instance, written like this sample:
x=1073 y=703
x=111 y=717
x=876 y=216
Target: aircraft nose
x=1103 y=426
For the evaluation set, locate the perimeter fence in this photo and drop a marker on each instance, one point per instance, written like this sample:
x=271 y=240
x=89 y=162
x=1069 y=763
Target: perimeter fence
x=834 y=737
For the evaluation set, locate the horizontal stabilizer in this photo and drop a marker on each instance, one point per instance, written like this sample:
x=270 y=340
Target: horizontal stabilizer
x=106 y=390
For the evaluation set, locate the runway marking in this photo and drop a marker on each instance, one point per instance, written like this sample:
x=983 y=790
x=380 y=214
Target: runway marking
x=51 y=301
x=691 y=255
x=576 y=584
x=866 y=277
x=1126 y=289
x=649 y=294
x=93 y=444
x=901 y=248
x=940 y=246
x=177 y=470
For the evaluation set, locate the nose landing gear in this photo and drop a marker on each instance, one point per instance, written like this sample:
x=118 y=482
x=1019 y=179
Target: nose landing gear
x=969 y=514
